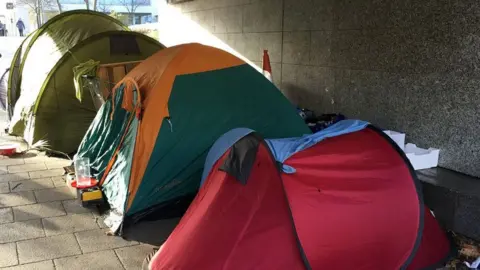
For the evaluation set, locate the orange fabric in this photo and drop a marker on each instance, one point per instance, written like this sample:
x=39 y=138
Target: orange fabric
x=154 y=79
x=127 y=101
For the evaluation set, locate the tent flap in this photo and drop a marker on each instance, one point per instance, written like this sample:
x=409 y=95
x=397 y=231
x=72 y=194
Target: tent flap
x=104 y=135
x=239 y=161
x=88 y=69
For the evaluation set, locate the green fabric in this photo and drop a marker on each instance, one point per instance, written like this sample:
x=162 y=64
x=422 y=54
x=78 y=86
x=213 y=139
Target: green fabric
x=104 y=134
x=16 y=128
x=202 y=108
x=60 y=118
x=116 y=183
x=88 y=68
x=13 y=78
x=60 y=23
x=100 y=143
x=47 y=46
x=13 y=90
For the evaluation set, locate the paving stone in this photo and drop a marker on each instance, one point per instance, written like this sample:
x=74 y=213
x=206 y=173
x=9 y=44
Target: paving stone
x=8 y=254
x=14 y=177
x=53 y=194
x=132 y=257
x=3 y=170
x=17 y=198
x=57 y=164
x=58 y=160
x=26 y=168
x=6 y=215
x=100 y=220
x=45 y=265
x=95 y=240
x=34 y=184
x=46 y=173
x=40 y=210
x=4 y=188
x=47 y=248
x=59 y=181
x=24 y=230
x=101 y=223
x=69 y=224
x=11 y=161
x=35 y=159
x=99 y=260
x=74 y=207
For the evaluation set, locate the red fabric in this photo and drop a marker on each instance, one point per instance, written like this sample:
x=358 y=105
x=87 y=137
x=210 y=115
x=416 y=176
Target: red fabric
x=235 y=226
x=354 y=203
x=435 y=245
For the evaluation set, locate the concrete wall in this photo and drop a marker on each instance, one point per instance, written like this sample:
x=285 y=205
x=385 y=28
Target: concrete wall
x=406 y=65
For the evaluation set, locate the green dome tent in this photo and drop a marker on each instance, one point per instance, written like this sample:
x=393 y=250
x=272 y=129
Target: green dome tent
x=44 y=97
x=13 y=91
x=64 y=31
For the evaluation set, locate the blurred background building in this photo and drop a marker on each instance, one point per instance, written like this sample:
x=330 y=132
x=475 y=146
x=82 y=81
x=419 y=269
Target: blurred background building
x=37 y=12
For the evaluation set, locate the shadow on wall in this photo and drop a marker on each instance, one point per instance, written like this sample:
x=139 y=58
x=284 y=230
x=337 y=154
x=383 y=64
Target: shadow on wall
x=318 y=101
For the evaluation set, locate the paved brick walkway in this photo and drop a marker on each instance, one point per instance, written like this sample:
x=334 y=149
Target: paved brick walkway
x=42 y=227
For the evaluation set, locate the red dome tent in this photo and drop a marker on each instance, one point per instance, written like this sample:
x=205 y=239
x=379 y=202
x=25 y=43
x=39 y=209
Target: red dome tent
x=343 y=198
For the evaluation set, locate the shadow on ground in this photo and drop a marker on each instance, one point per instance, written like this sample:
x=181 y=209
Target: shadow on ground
x=151 y=232
x=23 y=198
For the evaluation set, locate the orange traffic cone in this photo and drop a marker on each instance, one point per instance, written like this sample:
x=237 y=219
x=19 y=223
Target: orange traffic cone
x=267 y=68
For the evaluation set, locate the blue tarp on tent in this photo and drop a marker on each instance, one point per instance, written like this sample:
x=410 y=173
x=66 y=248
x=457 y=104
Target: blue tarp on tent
x=282 y=149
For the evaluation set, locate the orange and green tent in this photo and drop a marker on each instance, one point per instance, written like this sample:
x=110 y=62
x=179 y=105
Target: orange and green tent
x=148 y=143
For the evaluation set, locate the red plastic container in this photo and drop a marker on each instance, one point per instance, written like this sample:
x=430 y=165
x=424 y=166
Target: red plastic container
x=93 y=182
x=8 y=149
